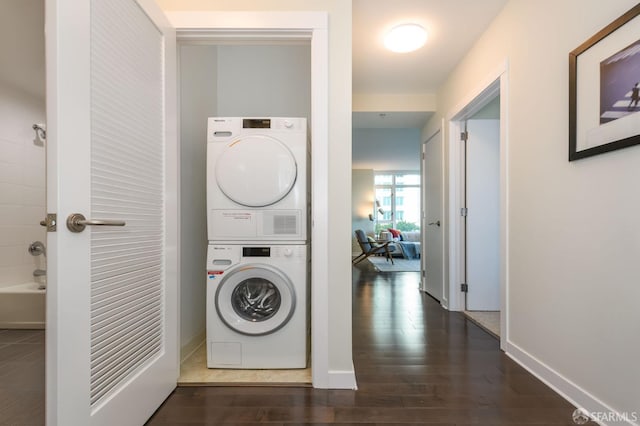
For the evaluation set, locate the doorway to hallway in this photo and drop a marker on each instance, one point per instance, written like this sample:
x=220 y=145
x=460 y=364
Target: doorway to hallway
x=477 y=211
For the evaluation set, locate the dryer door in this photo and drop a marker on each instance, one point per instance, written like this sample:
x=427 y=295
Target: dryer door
x=255 y=299
x=256 y=171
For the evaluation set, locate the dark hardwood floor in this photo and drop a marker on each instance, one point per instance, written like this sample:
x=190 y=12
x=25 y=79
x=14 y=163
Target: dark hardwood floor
x=415 y=363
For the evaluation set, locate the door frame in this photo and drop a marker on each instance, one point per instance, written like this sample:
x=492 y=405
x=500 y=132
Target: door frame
x=495 y=83
x=208 y=26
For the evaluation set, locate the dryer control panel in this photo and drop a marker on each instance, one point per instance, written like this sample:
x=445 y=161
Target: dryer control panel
x=222 y=129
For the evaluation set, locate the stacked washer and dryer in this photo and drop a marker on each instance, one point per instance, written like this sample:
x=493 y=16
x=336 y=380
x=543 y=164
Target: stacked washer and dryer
x=258 y=253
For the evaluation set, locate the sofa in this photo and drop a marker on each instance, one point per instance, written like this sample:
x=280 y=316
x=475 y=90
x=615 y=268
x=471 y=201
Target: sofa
x=407 y=243
x=412 y=236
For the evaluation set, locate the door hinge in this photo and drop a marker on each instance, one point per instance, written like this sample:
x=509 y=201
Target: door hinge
x=464 y=136
x=423 y=155
x=50 y=222
x=464 y=211
x=423 y=275
x=464 y=287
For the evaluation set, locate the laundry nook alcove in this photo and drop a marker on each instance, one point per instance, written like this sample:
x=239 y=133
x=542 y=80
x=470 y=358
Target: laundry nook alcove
x=244 y=111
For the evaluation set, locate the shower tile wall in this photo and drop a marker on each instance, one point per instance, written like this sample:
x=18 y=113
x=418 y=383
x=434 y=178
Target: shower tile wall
x=22 y=184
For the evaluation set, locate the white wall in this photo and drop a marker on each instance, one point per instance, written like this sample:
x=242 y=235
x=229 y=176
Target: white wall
x=198 y=100
x=229 y=80
x=339 y=287
x=362 y=199
x=258 y=81
x=386 y=149
x=22 y=45
x=573 y=234
x=22 y=163
x=22 y=184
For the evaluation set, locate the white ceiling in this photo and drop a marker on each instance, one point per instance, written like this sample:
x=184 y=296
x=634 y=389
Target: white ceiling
x=22 y=45
x=453 y=27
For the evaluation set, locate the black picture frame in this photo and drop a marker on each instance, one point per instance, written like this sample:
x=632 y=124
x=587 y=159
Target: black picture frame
x=600 y=55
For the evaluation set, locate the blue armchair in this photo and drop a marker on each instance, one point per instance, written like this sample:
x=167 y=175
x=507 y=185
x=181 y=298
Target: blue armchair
x=370 y=247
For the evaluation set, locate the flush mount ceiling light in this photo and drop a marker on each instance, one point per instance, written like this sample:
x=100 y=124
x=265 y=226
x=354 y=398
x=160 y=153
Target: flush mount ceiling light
x=405 y=38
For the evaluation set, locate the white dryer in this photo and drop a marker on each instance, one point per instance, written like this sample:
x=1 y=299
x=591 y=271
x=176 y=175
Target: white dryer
x=257 y=179
x=257 y=299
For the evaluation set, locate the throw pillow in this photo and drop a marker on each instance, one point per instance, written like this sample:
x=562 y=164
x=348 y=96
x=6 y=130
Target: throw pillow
x=394 y=232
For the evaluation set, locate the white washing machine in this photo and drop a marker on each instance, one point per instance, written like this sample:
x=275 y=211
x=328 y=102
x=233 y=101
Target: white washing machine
x=257 y=298
x=257 y=179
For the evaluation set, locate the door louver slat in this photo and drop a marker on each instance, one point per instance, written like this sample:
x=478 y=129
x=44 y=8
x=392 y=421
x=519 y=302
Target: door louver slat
x=124 y=346
x=113 y=333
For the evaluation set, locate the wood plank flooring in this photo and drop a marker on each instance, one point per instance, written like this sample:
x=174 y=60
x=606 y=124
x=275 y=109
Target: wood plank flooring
x=415 y=364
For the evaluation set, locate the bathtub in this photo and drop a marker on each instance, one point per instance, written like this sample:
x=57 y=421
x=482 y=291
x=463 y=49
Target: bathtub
x=22 y=306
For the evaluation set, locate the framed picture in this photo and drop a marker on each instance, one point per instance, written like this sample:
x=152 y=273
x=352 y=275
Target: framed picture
x=604 y=89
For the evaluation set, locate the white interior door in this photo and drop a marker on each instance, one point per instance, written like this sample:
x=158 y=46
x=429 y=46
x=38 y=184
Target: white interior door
x=483 y=217
x=433 y=241
x=112 y=352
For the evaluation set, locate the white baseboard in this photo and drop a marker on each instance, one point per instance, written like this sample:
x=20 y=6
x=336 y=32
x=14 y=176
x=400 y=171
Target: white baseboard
x=192 y=345
x=342 y=379
x=568 y=390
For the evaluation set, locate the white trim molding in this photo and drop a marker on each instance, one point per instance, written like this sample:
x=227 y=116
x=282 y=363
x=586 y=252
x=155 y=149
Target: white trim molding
x=258 y=22
x=496 y=82
x=342 y=379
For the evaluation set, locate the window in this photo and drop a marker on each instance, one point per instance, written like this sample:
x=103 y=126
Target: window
x=398 y=200
x=383 y=179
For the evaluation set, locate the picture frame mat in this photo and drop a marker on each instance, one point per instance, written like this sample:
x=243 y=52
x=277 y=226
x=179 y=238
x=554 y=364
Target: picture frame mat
x=589 y=133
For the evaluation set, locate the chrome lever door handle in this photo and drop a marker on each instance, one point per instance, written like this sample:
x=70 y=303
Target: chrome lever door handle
x=437 y=223
x=76 y=222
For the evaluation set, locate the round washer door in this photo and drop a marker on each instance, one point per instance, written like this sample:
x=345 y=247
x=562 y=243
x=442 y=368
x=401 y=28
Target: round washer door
x=256 y=171
x=255 y=299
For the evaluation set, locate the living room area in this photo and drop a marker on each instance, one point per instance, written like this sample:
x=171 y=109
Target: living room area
x=386 y=191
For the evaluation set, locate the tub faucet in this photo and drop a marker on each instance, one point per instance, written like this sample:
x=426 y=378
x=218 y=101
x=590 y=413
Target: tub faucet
x=39 y=273
x=36 y=248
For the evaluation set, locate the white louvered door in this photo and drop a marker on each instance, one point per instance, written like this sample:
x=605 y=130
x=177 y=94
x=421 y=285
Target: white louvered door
x=112 y=351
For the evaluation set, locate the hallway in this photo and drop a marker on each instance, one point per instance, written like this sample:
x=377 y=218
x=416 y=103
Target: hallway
x=415 y=363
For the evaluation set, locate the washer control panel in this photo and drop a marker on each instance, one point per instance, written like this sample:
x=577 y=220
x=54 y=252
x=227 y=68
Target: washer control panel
x=221 y=257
